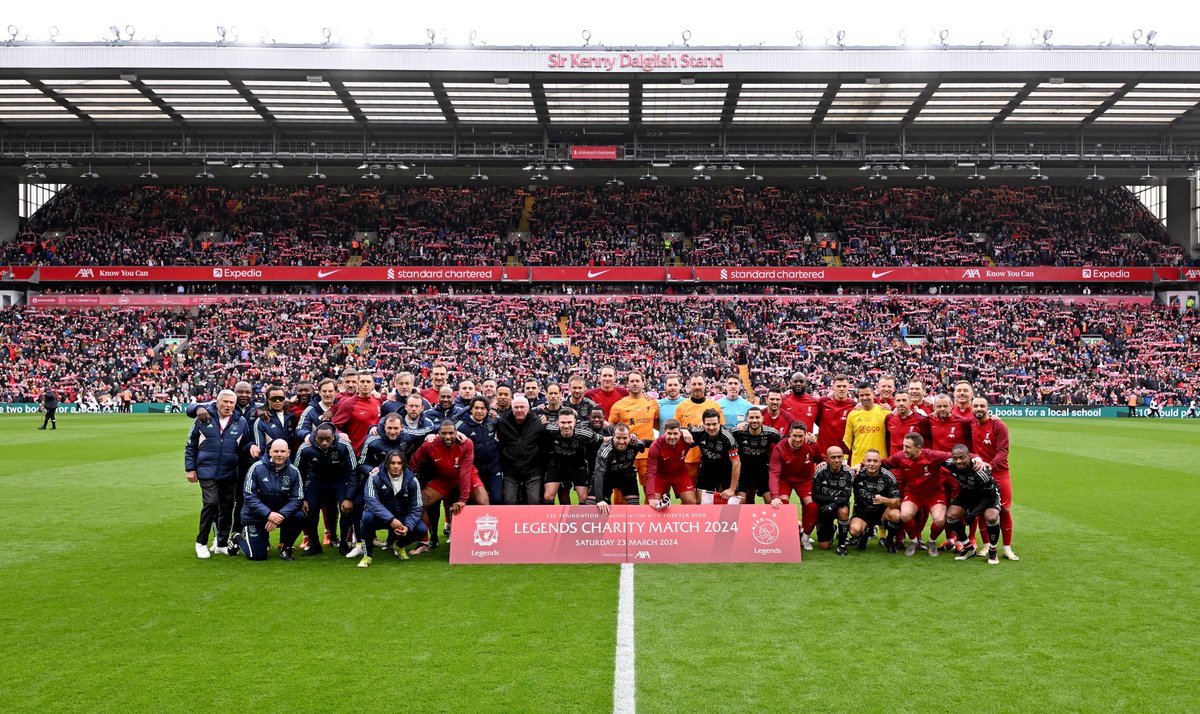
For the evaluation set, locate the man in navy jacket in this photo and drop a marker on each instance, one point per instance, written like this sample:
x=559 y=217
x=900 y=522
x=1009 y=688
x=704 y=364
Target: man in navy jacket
x=393 y=501
x=211 y=459
x=330 y=471
x=480 y=427
x=273 y=498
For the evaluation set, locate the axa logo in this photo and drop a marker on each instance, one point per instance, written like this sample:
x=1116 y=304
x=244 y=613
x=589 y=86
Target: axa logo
x=971 y=273
x=85 y=273
x=1191 y=274
x=642 y=555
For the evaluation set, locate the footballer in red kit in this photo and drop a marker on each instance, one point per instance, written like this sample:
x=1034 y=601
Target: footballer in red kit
x=665 y=467
x=834 y=409
x=609 y=392
x=903 y=421
x=356 y=415
x=885 y=391
x=963 y=394
x=775 y=416
x=989 y=439
x=800 y=404
x=919 y=471
x=791 y=469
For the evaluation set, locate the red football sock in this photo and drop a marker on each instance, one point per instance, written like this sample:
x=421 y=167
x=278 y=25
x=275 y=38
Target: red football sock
x=1006 y=526
x=912 y=529
x=808 y=517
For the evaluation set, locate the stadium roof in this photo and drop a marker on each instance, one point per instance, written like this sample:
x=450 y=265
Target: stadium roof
x=180 y=103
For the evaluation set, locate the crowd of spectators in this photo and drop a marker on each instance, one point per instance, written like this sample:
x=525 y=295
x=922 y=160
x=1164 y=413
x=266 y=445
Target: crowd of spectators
x=629 y=225
x=1023 y=351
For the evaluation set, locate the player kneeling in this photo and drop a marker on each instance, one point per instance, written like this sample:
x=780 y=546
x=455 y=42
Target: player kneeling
x=978 y=493
x=273 y=499
x=450 y=458
x=876 y=502
x=832 y=486
x=392 y=500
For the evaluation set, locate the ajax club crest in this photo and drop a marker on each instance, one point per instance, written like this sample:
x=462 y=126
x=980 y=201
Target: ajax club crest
x=487 y=532
x=765 y=531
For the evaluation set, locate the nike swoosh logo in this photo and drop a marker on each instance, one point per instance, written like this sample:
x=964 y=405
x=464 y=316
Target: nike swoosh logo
x=326 y=273
x=881 y=273
x=597 y=273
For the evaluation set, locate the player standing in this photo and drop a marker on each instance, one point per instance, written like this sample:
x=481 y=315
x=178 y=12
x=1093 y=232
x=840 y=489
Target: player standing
x=640 y=413
x=755 y=444
x=608 y=393
x=720 y=468
x=989 y=439
x=800 y=404
x=865 y=425
x=831 y=421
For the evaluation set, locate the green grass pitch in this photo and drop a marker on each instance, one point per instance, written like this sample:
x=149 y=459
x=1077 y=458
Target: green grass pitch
x=105 y=607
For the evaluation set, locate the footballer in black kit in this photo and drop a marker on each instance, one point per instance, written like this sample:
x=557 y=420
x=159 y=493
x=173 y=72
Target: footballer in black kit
x=876 y=502
x=755 y=443
x=978 y=494
x=833 y=483
x=567 y=445
x=720 y=467
x=615 y=468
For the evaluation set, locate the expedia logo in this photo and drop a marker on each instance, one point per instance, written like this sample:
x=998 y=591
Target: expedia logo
x=235 y=273
x=1094 y=274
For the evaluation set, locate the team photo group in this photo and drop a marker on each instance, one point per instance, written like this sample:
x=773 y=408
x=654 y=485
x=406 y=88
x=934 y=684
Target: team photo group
x=345 y=461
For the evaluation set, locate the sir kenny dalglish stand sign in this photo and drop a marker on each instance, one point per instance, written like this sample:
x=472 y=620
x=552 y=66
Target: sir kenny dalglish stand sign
x=628 y=534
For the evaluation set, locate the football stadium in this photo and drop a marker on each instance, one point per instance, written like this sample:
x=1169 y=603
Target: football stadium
x=685 y=376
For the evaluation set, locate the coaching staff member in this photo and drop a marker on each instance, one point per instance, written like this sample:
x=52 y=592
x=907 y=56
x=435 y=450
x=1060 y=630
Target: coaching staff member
x=211 y=459
x=273 y=497
x=49 y=405
x=521 y=458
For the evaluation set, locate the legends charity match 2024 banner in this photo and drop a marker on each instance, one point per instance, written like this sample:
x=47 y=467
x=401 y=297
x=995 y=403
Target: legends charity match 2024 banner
x=627 y=534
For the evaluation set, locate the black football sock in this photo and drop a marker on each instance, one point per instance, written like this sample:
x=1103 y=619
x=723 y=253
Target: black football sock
x=994 y=534
x=843 y=531
x=893 y=529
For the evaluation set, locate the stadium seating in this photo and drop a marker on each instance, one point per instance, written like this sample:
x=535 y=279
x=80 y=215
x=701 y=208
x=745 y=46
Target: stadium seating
x=1017 y=351
x=633 y=225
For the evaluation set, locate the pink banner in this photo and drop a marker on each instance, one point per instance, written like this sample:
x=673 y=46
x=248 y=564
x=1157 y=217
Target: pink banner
x=595 y=274
x=963 y=274
x=628 y=534
x=270 y=273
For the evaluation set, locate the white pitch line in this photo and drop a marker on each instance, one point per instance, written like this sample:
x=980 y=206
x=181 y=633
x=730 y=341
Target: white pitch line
x=624 y=678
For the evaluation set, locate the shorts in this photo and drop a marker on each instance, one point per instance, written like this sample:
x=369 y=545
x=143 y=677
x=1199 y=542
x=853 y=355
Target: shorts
x=803 y=489
x=754 y=480
x=681 y=484
x=872 y=516
x=927 y=500
x=974 y=503
x=1004 y=481
x=446 y=488
x=825 y=521
x=714 y=479
x=627 y=485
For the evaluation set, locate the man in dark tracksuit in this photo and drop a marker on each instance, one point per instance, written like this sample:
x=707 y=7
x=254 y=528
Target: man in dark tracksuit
x=522 y=459
x=480 y=427
x=273 y=497
x=49 y=405
x=274 y=421
x=211 y=456
x=330 y=473
x=248 y=409
x=392 y=500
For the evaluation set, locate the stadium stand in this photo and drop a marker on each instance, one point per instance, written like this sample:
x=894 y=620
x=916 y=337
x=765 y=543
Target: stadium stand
x=1023 y=351
x=439 y=225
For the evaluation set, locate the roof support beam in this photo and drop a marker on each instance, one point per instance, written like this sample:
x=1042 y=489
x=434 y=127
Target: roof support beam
x=253 y=101
x=732 y=93
x=1104 y=107
x=60 y=100
x=919 y=104
x=831 y=91
x=351 y=106
x=538 y=91
x=443 y=100
x=158 y=101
